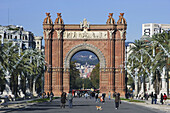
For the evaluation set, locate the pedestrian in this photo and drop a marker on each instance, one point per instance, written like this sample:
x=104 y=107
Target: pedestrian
x=114 y=94
x=103 y=96
x=70 y=99
x=63 y=100
x=93 y=94
x=44 y=94
x=117 y=101
x=51 y=96
x=86 y=95
x=164 y=98
x=151 y=95
x=161 y=98
x=126 y=95
x=109 y=94
x=78 y=93
x=96 y=96
x=155 y=98
x=48 y=94
x=146 y=96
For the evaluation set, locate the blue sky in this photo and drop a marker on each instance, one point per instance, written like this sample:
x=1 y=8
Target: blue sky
x=31 y=13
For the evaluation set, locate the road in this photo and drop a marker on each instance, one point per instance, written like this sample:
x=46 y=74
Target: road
x=82 y=105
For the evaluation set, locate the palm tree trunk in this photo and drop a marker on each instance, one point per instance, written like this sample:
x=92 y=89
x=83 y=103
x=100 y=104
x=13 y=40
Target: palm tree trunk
x=143 y=84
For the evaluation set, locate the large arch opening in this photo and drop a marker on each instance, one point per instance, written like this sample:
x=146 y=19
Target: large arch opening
x=84 y=71
x=67 y=63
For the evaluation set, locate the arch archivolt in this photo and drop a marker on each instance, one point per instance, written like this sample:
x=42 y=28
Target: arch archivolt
x=84 y=46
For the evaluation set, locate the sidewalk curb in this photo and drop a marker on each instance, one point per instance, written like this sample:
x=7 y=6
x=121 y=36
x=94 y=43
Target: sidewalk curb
x=20 y=105
x=152 y=106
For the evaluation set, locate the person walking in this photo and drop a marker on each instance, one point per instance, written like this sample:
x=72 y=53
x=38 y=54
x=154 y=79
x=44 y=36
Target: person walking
x=155 y=98
x=70 y=99
x=117 y=101
x=86 y=95
x=151 y=95
x=109 y=94
x=164 y=98
x=96 y=96
x=78 y=93
x=103 y=96
x=51 y=96
x=48 y=95
x=114 y=94
x=63 y=100
x=161 y=98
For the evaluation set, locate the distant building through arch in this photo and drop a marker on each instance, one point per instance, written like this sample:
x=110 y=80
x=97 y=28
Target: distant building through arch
x=107 y=41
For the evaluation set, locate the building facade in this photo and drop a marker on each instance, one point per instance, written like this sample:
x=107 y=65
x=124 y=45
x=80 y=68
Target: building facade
x=150 y=29
x=38 y=42
x=106 y=41
x=17 y=33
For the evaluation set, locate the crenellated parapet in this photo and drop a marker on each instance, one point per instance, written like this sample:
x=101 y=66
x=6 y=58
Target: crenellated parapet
x=84 y=30
x=59 y=23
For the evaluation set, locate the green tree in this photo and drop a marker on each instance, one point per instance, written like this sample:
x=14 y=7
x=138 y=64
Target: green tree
x=87 y=83
x=18 y=63
x=161 y=44
x=78 y=83
x=95 y=76
x=138 y=61
x=74 y=75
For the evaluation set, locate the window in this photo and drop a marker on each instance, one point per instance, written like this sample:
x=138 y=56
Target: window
x=147 y=32
x=25 y=37
x=4 y=35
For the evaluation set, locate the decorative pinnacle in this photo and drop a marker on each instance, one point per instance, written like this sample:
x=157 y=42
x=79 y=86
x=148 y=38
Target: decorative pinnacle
x=59 y=14
x=48 y=14
x=121 y=14
x=110 y=14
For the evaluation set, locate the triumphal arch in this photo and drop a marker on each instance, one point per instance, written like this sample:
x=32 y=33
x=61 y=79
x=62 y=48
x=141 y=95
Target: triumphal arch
x=107 y=41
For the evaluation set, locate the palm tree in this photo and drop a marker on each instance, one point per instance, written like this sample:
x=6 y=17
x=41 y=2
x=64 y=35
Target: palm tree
x=140 y=62
x=36 y=67
x=161 y=43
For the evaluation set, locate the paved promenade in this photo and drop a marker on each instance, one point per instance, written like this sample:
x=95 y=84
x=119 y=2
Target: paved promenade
x=82 y=105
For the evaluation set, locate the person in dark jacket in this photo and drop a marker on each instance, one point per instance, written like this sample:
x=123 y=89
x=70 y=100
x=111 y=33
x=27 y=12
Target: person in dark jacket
x=96 y=96
x=103 y=96
x=63 y=100
x=161 y=98
x=117 y=100
x=155 y=97
x=151 y=95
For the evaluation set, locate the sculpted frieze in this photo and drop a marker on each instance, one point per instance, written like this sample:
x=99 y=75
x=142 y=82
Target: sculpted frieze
x=85 y=35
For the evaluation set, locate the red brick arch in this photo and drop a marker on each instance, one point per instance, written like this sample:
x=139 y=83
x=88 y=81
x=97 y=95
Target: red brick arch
x=107 y=41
